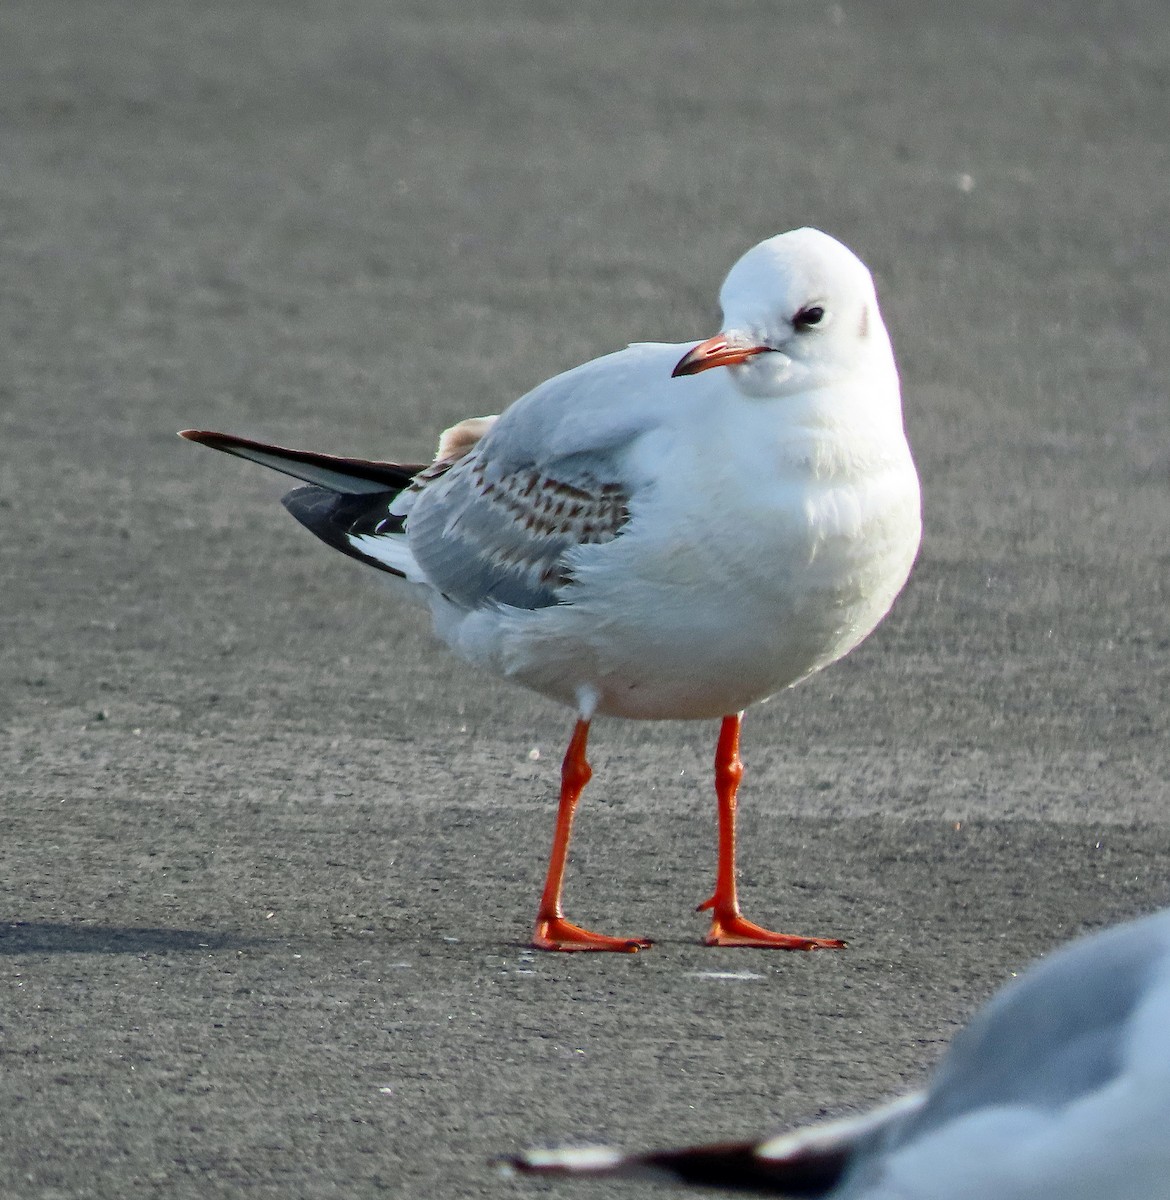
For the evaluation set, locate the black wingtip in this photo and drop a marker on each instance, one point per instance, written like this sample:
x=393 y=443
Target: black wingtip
x=733 y=1167
x=207 y=437
x=739 y=1167
x=336 y=520
x=348 y=476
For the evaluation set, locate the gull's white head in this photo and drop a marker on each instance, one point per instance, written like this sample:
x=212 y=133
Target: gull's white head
x=799 y=311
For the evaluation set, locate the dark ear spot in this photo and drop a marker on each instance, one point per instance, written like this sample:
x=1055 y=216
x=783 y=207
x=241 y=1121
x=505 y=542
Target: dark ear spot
x=863 y=328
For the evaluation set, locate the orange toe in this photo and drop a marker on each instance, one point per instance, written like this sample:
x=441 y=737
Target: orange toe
x=731 y=929
x=555 y=933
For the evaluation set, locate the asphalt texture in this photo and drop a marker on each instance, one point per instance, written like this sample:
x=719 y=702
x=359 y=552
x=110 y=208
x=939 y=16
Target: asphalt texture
x=269 y=857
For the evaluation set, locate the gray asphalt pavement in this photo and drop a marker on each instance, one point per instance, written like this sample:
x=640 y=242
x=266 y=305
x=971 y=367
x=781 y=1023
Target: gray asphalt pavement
x=268 y=856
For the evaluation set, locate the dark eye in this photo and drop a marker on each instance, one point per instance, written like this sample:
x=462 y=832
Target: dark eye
x=808 y=317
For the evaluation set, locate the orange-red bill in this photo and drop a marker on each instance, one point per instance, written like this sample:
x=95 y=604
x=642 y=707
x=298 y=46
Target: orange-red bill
x=722 y=350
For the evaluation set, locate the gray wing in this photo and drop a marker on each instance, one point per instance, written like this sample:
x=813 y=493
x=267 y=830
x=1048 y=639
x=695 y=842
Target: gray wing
x=485 y=533
x=488 y=531
x=1056 y=1034
x=552 y=474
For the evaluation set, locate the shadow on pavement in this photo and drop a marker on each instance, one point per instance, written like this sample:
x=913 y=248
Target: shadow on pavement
x=48 y=937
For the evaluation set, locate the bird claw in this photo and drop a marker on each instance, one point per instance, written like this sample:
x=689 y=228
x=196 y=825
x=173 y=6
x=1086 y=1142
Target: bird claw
x=555 y=933
x=731 y=929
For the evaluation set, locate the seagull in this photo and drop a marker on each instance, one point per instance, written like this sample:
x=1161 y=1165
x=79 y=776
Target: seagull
x=1059 y=1089
x=671 y=531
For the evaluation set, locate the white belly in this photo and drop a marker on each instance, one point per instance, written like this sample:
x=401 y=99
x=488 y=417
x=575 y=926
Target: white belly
x=721 y=607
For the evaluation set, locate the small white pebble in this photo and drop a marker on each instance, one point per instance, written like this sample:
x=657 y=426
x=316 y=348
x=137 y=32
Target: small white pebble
x=739 y=975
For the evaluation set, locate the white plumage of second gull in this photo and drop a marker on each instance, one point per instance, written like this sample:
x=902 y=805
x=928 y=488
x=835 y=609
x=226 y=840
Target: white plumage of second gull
x=673 y=531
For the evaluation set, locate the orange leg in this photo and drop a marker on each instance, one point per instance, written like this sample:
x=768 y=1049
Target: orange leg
x=728 y=925
x=553 y=932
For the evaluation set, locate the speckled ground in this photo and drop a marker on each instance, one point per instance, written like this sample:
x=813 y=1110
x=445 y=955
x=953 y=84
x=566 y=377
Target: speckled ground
x=268 y=858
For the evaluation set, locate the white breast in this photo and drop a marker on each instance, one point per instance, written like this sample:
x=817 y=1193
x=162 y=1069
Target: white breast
x=717 y=596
